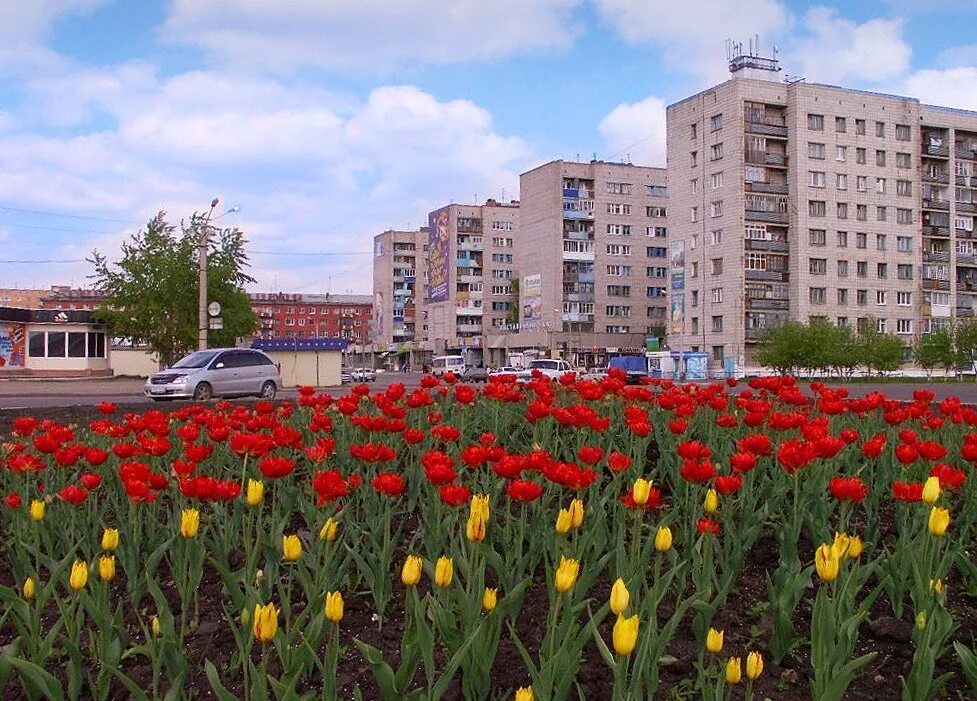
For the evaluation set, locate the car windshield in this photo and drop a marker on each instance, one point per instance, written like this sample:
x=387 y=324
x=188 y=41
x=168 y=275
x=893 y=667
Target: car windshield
x=195 y=360
x=543 y=364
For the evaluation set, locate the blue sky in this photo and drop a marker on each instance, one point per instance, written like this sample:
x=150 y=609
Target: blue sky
x=327 y=121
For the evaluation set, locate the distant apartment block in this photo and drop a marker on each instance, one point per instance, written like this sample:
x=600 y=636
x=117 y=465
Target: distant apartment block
x=797 y=200
x=292 y=315
x=21 y=298
x=399 y=289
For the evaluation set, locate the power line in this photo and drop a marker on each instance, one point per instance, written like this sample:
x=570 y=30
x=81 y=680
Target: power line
x=262 y=253
x=44 y=213
x=44 y=260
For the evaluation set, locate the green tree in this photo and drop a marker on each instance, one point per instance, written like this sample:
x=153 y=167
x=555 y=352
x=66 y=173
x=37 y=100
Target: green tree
x=513 y=316
x=151 y=294
x=936 y=350
x=880 y=352
x=965 y=342
x=783 y=347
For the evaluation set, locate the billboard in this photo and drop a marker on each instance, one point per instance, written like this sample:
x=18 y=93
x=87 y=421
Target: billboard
x=677 y=255
x=12 y=345
x=438 y=254
x=678 y=281
x=531 y=300
x=677 y=316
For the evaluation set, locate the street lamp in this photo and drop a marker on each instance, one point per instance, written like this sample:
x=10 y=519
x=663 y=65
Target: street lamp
x=203 y=242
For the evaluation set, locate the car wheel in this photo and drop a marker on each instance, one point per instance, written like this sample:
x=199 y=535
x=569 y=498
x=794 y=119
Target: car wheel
x=203 y=392
x=268 y=390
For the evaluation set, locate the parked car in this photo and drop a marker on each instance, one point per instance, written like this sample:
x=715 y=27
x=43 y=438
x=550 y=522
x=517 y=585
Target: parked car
x=474 y=374
x=504 y=370
x=345 y=376
x=554 y=369
x=447 y=363
x=219 y=372
x=364 y=375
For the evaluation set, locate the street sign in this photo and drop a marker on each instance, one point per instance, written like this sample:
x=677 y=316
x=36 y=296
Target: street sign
x=216 y=323
x=214 y=309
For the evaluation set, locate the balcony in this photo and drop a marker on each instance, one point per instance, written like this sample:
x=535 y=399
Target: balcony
x=768 y=127
x=753 y=335
x=936 y=257
x=964 y=312
x=968 y=284
x=468 y=328
x=961 y=180
x=472 y=227
x=578 y=297
x=578 y=235
x=578 y=256
x=767 y=275
x=576 y=193
x=764 y=303
x=767 y=245
x=942 y=178
x=931 y=151
x=941 y=285
x=966 y=208
x=402 y=292
x=577 y=214
x=931 y=230
x=468 y=279
x=769 y=217
x=578 y=318
x=467 y=263
x=767 y=188
x=966 y=154
x=469 y=310
x=766 y=158
x=471 y=246
x=942 y=205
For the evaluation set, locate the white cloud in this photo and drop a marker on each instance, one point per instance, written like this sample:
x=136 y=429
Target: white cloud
x=952 y=87
x=368 y=34
x=692 y=33
x=837 y=50
x=23 y=26
x=638 y=129
x=959 y=56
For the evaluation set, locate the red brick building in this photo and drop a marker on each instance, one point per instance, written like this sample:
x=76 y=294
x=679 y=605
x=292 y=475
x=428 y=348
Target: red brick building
x=283 y=315
x=64 y=297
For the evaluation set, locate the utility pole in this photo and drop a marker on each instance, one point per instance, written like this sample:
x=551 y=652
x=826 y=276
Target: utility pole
x=203 y=243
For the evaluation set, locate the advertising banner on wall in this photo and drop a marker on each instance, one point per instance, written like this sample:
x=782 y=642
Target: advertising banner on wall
x=677 y=315
x=531 y=299
x=677 y=255
x=439 y=250
x=12 y=345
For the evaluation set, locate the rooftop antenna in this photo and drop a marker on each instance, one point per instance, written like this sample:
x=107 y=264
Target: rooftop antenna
x=751 y=63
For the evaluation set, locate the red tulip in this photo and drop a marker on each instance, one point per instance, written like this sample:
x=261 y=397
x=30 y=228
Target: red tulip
x=847 y=488
x=276 y=466
x=389 y=483
x=524 y=490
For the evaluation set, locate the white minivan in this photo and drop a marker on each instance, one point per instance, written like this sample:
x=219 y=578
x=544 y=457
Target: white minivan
x=447 y=363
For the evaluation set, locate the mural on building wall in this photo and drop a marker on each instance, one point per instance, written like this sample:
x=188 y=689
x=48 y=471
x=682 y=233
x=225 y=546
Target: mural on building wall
x=378 y=315
x=531 y=295
x=13 y=338
x=439 y=249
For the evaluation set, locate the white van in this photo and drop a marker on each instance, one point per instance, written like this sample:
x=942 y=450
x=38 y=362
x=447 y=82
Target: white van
x=447 y=363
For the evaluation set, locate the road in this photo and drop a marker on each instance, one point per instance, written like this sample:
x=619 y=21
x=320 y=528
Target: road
x=28 y=394
x=35 y=393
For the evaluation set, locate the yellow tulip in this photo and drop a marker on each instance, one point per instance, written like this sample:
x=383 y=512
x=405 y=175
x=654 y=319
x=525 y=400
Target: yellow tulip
x=79 y=575
x=37 y=509
x=480 y=506
x=155 y=626
x=291 y=548
x=711 y=503
x=663 y=539
x=754 y=665
x=189 y=523
x=641 y=491
x=566 y=574
x=840 y=545
x=939 y=521
x=931 y=490
x=734 y=671
x=827 y=563
x=525 y=693
x=106 y=567
x=329 y=530
x=855 y=547
x=110 y=539
x=576 y=512
x=410 y=575
x=475 y=530
x=564 y=521
x=936 y=585
x=443 y=571
x=28 y=588
x=334 y=607
x=714 y=641
x=620 y=596
x=625 y=635
x=489 y=598
x=256 y=492
x=265 y=623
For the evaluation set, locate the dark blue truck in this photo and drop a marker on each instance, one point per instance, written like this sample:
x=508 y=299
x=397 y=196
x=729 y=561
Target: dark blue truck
x=636 y=366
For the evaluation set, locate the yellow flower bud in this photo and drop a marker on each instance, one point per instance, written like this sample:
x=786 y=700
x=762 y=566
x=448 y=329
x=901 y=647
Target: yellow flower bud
x=939 y=521
x=28 y=589
x=576 y=512
x=625 y=635
x=480 y=506
x=564 y=521
x=711 y=503
x=334 y=607
x=443 y=571
x=641 y=491
x=663 y=539
x=291 y=548
x=79 y=575
x=936 y=585
x=37 y=509
x=265 y=623
x=329 y=530
x=921 y=620
x=827 y=563
x=620 y=596
x=840 y=545
x=714 y=641
x=734 y=670
x=931 y=490
x=754 y=665
x=256 y=492
x=106 y=568
x=525 y=693
x=855 y=547
x=189 y=523
x=475 y=529
x=110 y=539
x=489 y=598
x=566 y=574
x=410 y=575
x=155 y=626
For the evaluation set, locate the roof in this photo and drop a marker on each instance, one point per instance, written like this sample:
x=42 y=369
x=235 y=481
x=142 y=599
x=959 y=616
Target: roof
x=300 y=344
x=262 y=298
x=46 y=316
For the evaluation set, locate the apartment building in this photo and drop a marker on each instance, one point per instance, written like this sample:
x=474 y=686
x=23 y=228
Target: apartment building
x=399 y=292
x=65 y=297
x=797 y=200
x=471 y=277
x=293 y=315
x=21 y=298
x=592 y=258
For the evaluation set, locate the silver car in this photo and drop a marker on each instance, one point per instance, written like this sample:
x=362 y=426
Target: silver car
x=220 y=372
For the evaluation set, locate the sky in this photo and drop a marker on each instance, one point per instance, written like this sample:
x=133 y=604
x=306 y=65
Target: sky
x=328 y=121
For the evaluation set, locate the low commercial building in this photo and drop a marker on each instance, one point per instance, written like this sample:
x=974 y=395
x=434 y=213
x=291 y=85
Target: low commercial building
x=52 y=343
x=306 y=361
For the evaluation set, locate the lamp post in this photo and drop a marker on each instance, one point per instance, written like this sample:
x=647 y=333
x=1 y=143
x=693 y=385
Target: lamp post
x=203 y=243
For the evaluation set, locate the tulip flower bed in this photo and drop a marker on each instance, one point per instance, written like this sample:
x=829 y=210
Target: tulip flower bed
x=571 y=539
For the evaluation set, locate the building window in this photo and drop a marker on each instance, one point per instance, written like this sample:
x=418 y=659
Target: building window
x=841 y=181
x=656 y=190
x=818 y=266
x=818 y=295
x=842 y=210
x=904 y=326
x=904 y=271
x=904 y=216
x=842 y=239
x=619 y=229
x=904 y=244
x=880 y=325
x=861 y=268
x=903 y=132
x=716 y=122
x=817 y=208
x=695 y=325
x=716 y=237
x=716 y=152
x=695 y=214
x=880 y=213
x=716 y=209
x=616 y=249
x=717 y=180
x=816 y=178
x=880 y=129
x=619 y=270
x=756 y=261
x=843 y=297
x=815 y=151
x=842 y=268
x=882 y=270
x=656 y=251
x=619 y=188
x=695 y=298
x=655 y=212
x=717 y=266
x=841 y=125
x=861 y=183
x=618 y=208
x=880 y=240
x=717 y=323
x=904 y=188
x=861 y=297
x=861 y=212
x=617 y=310
x=717 y=295
x=657 y=232
x=694 y=158
x=656 y=271
x=880 y=185
x=815 y=122
x=694 y=131
x=904 y=299
x=860 y=156
x=841 y=153
x=841 y=321
x=756 y=232
x=718 y=353
x=904 y=160
x=860 y=127
x=880 y=158
x=880 y=297
x=817 y=237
